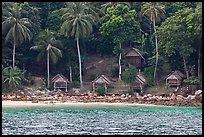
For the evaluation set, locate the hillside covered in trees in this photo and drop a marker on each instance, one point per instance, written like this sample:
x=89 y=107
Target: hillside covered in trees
x=49 y=38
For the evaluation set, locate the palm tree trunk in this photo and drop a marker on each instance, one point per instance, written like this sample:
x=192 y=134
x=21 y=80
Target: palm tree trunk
x=48 y=71
x=70 y=74
x=119 y=62
x=14 y=50
x=185 y=67
x=198 y=62
x=157 y=55
x=80 y=71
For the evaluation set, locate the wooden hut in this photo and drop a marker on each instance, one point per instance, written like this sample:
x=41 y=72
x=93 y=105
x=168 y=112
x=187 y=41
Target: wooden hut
x=174 y=79
x=101 y=81
x=134 y=57
x=139 y=84
x=60 y=82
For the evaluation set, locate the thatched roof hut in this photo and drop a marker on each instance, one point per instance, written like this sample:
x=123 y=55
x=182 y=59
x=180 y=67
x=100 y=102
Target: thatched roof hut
x=174 y=79
x=59 y=81
x=134 y=57
x=101 y=80
x=139 y=83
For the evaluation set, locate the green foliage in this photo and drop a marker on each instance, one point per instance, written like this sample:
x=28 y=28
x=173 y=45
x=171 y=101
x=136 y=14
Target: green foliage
x=172 y=7
x=120 y=24
x=192 y=80
x=129 y=75
x=12 y=77
x=48 y=43
x=76 y=84
x=77 y=21
x=100 y=90
x=149 y=71
x=174 y=34
x=54 y=19
x=179 y=34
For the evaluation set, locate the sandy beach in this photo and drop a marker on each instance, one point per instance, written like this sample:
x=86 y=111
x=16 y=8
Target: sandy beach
x=15 y=104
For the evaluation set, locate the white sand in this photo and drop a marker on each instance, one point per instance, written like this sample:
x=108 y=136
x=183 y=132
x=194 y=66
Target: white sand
x=14 y=104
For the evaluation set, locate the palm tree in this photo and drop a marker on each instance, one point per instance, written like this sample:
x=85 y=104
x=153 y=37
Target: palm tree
x=153 y=10
x=78 y=24
x=15 y=27
x=12 y=77
x=48 y=44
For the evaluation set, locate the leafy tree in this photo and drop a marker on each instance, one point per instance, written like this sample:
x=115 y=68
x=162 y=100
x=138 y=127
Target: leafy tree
x=120 y=24
x=177 y=35
x=78 y=24
x=107 y=5
x=47 y=43
x=154 y=10
x=15 y=27
x=54 y=19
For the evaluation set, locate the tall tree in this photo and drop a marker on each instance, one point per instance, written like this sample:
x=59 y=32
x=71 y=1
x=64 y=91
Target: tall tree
x=120 y=24
x=154 y=10
x=179 y=34
x=15 y=27
x=78 y=24
x=47 y=43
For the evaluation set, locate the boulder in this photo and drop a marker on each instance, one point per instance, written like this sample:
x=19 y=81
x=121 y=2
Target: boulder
x=198 y=92
x=123 y=95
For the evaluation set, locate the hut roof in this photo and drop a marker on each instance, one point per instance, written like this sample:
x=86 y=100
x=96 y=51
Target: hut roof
x=102 y=79
x=133 y=52
x=176 y=75
x=141 y=79
x=179 y=73
x=59 y=78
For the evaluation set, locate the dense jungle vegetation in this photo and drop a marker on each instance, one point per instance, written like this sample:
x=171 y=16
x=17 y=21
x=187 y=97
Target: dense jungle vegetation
x=47 y=38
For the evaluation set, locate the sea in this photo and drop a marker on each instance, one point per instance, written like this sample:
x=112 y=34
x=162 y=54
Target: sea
x=107 y=120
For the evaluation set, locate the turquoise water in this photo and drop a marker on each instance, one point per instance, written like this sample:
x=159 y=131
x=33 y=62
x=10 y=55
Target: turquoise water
x=102 y=120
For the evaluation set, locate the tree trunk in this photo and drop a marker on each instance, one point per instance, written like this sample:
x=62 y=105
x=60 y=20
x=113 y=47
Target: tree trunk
x=14 y=50
x=185 y=67
x=85 y=58
x=157 y=55
x=80 y=71
x=119 y=62
x=48 y=70
x=70 y=74
x=198 y=62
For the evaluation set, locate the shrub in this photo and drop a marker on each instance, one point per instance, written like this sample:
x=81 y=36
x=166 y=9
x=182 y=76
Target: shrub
x=149 y=72
x=193 y=80
x=100 y=91
x=129 y=75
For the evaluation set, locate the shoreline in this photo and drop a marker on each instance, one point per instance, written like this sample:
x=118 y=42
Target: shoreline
x=20 y=104
x=90 y=100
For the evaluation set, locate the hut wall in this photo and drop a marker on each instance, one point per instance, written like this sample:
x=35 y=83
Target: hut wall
x=135 y=60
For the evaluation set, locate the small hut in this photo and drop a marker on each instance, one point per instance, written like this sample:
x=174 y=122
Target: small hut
x=101 y=81
x=139 y=84
x=134 y=57
x=60 y=82
x=174 y=79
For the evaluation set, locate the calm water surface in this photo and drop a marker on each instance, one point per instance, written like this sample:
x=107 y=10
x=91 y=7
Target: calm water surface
x=102 y=120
